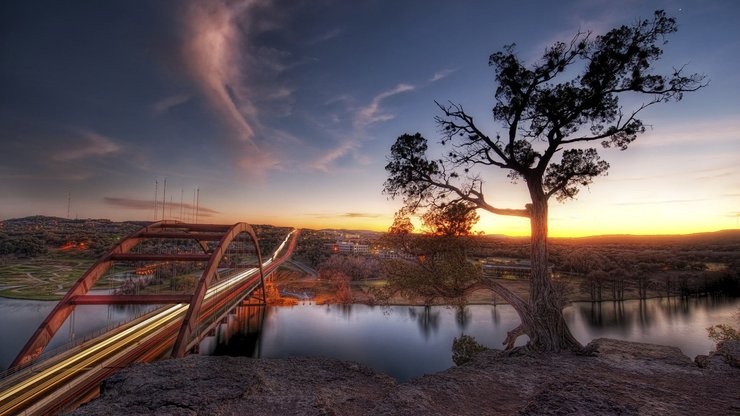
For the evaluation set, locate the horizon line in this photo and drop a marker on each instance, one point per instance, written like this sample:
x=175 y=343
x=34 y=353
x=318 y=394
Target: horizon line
x=377 y=231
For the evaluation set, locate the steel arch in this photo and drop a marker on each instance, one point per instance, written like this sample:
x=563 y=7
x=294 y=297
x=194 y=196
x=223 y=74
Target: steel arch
x=166 y=229
x=191 y=316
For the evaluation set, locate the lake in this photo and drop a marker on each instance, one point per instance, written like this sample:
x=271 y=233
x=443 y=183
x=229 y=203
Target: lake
x=403 y=341
x=20 y=318
x=407 y=342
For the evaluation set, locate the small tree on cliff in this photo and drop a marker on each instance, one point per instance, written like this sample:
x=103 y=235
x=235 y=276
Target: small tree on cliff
x=550 y=118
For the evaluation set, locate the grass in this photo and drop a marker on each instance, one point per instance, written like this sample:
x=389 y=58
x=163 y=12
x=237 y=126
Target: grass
x=51 y=276
x=41 y=278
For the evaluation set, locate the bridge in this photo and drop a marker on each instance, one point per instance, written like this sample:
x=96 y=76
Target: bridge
x=233 y=273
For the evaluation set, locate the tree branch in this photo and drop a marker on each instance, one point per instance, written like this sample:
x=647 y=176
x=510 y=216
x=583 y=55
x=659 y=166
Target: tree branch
x=478 y=200
x=521 y=307
x=450 y=129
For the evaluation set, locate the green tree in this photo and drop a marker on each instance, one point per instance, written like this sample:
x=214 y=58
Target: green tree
x=550 y=111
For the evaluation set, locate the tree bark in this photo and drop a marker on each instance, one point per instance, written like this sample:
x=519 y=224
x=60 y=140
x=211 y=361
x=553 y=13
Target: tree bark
x=547 y=330
x=520 y=306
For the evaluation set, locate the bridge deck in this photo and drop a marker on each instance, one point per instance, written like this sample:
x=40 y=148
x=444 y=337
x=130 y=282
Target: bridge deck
x=51 y=384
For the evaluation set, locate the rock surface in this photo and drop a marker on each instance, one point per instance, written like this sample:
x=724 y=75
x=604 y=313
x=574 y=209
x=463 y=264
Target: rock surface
x=624 y=378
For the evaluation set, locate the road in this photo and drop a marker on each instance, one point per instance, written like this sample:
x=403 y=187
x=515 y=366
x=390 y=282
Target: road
x=51 y=384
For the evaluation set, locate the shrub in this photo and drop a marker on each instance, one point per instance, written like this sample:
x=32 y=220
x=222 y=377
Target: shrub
x=465 y=348
x=723 y=332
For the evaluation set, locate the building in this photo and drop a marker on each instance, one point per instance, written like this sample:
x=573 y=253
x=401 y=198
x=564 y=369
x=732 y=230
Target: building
x=347 y=247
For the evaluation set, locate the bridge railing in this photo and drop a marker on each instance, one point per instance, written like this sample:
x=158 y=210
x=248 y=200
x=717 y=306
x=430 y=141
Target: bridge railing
x=71 y=344
x=36 y=363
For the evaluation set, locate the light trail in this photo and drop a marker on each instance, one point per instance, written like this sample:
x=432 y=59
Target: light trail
x=68 y=368
x=37 y=386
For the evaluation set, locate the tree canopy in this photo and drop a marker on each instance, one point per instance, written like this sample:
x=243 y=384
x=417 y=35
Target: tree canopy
x=552 y=112
x=434 y=266
x=547 y=120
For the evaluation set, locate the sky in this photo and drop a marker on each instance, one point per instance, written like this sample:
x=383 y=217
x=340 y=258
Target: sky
x=283 y=112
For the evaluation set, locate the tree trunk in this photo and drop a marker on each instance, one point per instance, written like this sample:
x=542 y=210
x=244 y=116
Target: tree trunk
x=547 y=329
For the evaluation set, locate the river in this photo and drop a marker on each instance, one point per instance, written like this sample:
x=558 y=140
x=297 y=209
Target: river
x=402 y=341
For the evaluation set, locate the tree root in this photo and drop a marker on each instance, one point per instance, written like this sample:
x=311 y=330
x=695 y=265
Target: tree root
x=512 y=335
x=546 y=332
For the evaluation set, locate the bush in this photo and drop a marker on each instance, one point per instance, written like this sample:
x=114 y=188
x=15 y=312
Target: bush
x=722 y=332
x=21 y=245
x=465 y=348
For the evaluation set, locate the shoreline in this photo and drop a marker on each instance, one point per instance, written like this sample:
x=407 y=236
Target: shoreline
x=365 y=302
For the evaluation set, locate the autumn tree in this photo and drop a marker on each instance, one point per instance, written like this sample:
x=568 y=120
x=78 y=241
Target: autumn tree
x=435 y=264
x=552 y=113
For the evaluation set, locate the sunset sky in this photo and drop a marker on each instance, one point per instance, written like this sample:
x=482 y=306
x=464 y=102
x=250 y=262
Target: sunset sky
x=283 y=112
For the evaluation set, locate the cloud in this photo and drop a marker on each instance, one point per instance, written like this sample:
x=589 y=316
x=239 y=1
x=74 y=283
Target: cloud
x=328 y=35
x=690 y=133
x=442 y=74
x=361 y=215
x=347 y=215
x=165 y=104
x=716 y=175
x=373 y=112
x=363 y=117
x=343 y=99
x=241 y=75
x=95 y=145
x=282 y=92
x=325 y=162
x=215 y=56
x=141 y=205
x=256 y=163
x=667 y=201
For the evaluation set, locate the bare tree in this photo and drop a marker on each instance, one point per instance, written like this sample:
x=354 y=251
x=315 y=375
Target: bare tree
x=549 y=119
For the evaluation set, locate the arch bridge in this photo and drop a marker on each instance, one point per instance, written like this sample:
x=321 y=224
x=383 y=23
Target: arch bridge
x=233 y=271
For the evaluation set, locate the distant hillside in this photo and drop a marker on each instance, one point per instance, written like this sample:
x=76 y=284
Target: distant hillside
x=723 y=236
x=31 y=236
x=36 y=235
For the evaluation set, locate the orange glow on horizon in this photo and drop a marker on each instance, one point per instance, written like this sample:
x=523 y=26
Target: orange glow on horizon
x=519 y=227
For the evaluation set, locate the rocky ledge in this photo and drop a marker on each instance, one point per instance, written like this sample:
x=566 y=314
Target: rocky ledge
x=622 y=378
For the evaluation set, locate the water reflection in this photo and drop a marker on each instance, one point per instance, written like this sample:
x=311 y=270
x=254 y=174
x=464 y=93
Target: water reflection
x=345 y=310
x=670 y=321
x=408 y=341
x=239 y=335
x=644 y=315
x=427 y=319
x=599 y=314
x=20 y=318
x=402 y=341
x=495 y=315
x=622 y=316
x=462 y=316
